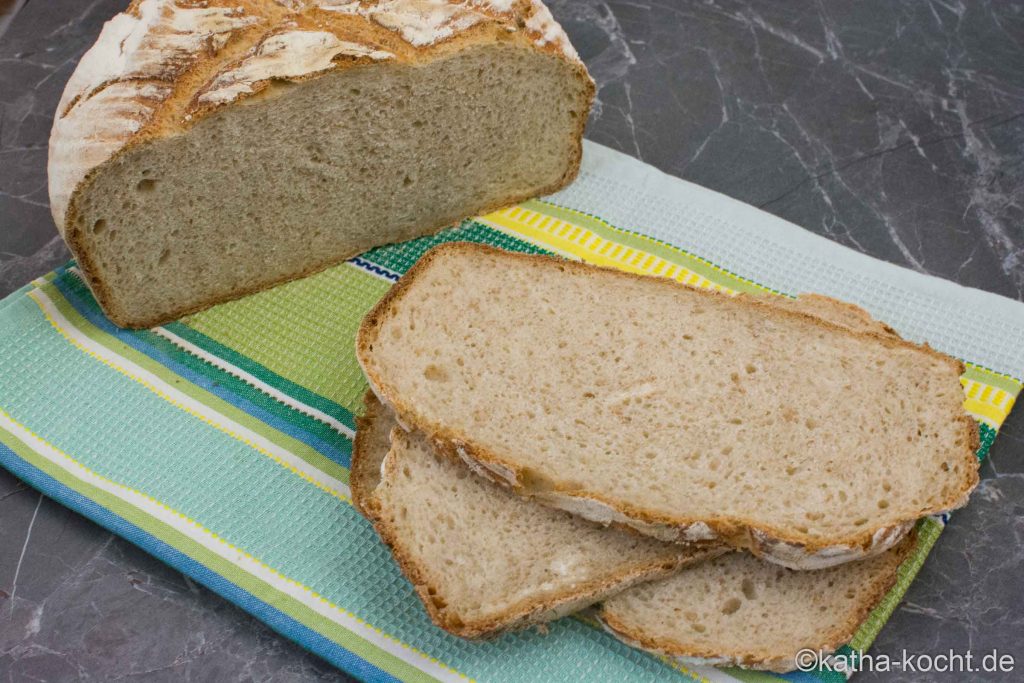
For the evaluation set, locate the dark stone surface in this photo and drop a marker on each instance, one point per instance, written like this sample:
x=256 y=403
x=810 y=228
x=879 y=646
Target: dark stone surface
x=897 y=129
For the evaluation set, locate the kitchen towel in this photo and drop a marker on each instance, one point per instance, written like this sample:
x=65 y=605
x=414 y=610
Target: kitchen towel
x=220 y=443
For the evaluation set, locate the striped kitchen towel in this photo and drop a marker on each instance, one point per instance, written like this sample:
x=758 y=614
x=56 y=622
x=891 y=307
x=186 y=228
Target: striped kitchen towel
x=220 y=443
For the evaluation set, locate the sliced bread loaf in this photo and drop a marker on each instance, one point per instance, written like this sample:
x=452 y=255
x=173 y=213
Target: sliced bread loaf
x=483 y=560
x=686 y=414
x=205 y=150
x=738 y=610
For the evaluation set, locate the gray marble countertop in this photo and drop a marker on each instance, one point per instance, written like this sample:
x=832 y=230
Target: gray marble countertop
x=896 y=129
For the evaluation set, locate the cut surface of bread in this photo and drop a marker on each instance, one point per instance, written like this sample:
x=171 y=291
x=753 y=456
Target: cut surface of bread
x=687 y=414
x=205 y=151
x=483 y=560
x=738 y=610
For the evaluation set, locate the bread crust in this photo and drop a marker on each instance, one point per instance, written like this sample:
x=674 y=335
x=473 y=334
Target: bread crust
x=830 y=638
x=524 y=613
x=781 y=546
x=362 y=478
x=163 y=95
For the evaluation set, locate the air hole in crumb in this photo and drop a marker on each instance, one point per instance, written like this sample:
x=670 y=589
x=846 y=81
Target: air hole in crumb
x=146 y=185
x=731 y=605
x=435 y=373
x=99 y=226
x=164 y=255
x=882 y=504
x=860 y=522
x=353 y=91
x=748 y=589
x=406 y=181
x=417 y=124
x=811 y=423
x=750 y=369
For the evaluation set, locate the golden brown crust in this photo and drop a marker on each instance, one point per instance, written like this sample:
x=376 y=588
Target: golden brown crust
x=362 y=477
x=830 y=638
x=736 y=531
x=188 y=73
x=821 y=306
x=524 y=613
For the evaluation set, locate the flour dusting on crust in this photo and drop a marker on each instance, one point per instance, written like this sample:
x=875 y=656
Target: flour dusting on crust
x=545 y=30
x=159 y=42
x=427 y=22
x=419 y=22
x=288 y=55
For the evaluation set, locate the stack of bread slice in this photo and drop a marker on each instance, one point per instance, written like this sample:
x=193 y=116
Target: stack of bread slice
x=732 y=479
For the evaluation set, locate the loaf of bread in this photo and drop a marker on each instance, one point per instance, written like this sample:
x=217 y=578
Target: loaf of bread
x=206 y=150
x=688 y=415
x=481 y=559
x=736 y=610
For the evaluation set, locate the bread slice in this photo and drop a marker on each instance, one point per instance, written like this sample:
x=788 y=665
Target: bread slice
x=686 y=414
x=481 y=559
x=730 y=610
x=738 y=610
x=203 y=151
